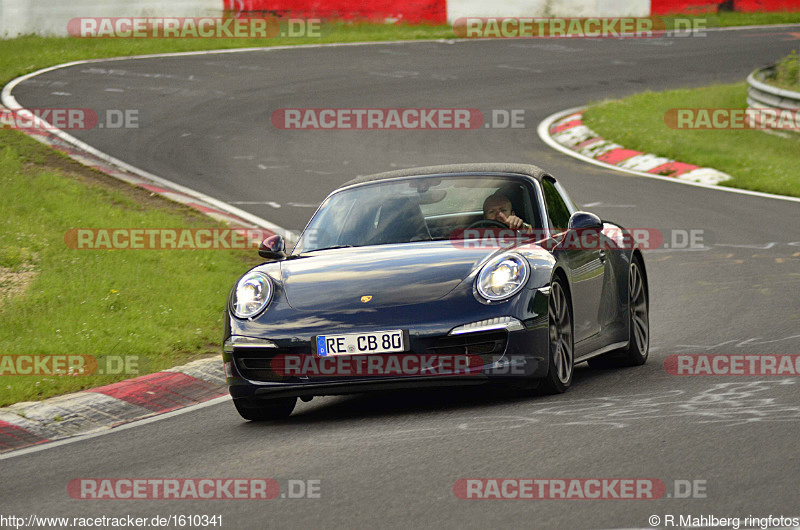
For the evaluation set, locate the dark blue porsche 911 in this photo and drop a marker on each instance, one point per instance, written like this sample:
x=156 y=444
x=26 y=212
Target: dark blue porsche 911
x=444 y=275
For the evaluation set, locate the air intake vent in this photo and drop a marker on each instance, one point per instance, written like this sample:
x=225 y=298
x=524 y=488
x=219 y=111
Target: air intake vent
x=481 y=343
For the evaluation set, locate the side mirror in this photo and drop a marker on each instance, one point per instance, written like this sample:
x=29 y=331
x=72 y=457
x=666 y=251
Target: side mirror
x=585 y=220
x=272 y=248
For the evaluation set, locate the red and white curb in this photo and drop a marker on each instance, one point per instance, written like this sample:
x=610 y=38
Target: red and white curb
x=75 y=151
x=29 y=423
x=567 y=131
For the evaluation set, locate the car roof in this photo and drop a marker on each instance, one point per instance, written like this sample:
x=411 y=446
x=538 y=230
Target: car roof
x=455 y=169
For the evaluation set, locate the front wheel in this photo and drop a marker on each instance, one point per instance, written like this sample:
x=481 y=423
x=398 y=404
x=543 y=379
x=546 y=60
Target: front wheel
x=561 y=358
x=273 y=409
x=639 y=345
x=635 y=353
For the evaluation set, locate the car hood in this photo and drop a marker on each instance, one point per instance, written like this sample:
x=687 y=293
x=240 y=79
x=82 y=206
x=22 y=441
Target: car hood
x=411 y=273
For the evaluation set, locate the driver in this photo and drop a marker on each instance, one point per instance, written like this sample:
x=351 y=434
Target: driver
x=497 y=207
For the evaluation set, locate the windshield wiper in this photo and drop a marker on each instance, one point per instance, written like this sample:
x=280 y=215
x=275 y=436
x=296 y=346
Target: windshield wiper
x=327 y=248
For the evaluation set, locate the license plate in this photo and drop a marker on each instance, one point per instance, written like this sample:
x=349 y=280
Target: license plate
x=361 y=343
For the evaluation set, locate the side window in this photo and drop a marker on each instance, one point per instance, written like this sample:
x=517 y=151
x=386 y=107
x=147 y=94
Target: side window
x=557 y=209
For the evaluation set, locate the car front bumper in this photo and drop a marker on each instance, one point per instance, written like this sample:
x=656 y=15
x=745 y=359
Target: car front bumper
x=497 y=355
x=493 y=354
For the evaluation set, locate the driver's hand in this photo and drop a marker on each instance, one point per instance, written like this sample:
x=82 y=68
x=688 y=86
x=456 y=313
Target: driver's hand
x=513 y=222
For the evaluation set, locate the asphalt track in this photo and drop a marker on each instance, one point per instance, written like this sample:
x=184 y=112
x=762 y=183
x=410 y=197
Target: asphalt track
x=391 y=460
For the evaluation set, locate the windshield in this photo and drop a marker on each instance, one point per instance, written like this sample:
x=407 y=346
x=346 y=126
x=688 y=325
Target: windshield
x=413 y=209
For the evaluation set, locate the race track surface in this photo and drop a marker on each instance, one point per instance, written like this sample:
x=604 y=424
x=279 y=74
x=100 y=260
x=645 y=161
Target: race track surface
x=391 y=460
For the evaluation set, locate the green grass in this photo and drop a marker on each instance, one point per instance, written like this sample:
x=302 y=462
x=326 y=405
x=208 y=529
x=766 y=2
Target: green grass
x=163 y=306
x=756 y=160
x=22 y=55
x=787 y=73
x=26 y=54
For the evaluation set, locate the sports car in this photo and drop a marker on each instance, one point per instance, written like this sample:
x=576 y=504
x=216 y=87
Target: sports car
x=404 y=279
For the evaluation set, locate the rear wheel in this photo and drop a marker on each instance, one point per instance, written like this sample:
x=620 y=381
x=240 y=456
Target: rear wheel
x=561 y=354
x=273 y=409
x=636 y=352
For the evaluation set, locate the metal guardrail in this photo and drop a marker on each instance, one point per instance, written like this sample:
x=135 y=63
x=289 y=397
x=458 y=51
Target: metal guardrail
x=762 y=95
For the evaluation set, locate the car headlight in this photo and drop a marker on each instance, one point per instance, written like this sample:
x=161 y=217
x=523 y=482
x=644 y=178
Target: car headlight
x=252 y=294
x=503 y=277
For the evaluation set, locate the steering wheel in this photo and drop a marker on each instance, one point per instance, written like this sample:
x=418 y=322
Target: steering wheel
x=487 y=223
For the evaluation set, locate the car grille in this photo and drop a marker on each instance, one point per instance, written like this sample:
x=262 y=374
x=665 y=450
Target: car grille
x=256 y=363
x=486 y=344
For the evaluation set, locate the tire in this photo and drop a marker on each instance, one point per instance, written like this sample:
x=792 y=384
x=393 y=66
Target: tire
x=635 y=353
x=561 y=353
x=273 y=409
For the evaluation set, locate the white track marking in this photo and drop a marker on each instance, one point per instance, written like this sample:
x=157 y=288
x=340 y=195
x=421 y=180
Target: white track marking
x=10 y=101
x=135 y=423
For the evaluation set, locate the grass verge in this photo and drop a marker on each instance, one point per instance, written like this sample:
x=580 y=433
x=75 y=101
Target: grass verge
x=26 y=54
x=151 y=308
x=756 y=160
x=787 y=73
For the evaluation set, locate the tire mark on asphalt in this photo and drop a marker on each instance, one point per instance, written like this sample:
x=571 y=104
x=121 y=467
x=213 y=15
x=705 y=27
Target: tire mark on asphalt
x=724 y=404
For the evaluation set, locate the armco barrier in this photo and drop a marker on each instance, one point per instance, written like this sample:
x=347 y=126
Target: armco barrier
x=411 y=11
x=668 y=7
x=439 y=11
x=50 y=17
x=546 y=8
x=762 y=95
